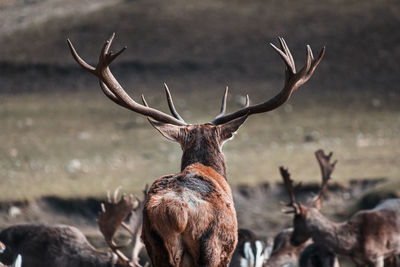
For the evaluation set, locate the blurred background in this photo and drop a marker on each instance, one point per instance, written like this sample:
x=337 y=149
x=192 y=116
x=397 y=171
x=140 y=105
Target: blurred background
x=63 y=140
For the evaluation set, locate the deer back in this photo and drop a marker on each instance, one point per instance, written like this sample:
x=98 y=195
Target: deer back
x=45 y=245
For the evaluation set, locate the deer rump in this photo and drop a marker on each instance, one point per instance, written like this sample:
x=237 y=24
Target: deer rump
x=191 y=215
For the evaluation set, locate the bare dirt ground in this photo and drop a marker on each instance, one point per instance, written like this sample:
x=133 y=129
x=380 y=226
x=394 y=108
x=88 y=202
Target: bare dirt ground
x=61 y=138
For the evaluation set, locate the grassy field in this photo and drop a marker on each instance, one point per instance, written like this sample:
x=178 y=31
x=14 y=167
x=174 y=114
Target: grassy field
x=81 y=144
x=61 y=136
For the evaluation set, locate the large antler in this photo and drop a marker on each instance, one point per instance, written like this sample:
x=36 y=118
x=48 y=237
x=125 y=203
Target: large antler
x=293 y=80
x=113 y=90
x=112 y=215
x=288 y=182
x=327 y=168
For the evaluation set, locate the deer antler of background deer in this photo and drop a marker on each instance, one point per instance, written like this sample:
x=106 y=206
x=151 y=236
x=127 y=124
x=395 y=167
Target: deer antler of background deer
x=327 y=168
x=113 y=214
x=135 y=226
x=288 y=182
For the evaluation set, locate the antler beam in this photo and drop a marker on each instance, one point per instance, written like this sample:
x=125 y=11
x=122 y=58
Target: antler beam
x=293 y=80
x=113 y=90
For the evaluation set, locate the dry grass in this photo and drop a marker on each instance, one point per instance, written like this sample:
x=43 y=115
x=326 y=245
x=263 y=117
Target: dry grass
x=80 y=144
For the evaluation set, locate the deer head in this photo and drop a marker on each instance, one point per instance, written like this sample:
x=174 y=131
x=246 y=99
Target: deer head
x=200 y=143
x=303 y=214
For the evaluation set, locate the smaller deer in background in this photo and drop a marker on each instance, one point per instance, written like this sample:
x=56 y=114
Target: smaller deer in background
x=65 y=246
x=368 y=237
x=283 y=252
x=250 y=251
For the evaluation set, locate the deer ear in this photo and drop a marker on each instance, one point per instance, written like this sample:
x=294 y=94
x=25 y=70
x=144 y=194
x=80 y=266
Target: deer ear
x=317 y=202
x=302 y=210
x=227 y=130
x=169 y=131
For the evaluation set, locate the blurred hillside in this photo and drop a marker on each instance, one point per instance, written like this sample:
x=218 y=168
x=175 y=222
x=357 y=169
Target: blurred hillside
x=217 y=41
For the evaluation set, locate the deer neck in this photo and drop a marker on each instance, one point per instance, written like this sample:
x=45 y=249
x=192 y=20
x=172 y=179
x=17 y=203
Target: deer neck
x=205 y=154
x=338 y=236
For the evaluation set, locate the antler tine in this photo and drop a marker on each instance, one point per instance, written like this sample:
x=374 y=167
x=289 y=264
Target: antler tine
x=171 y=104
x=116 y=192
x=223 y=104
x=135 y=225
x=111 y=216
x=326 y=170
x=325 y=165
x=288 y=182
x=247 y=101
x=79 y=59
x=293 y=80
x=113 y=89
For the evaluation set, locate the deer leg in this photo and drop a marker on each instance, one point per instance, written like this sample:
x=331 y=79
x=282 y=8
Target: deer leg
x=155 y=247
x=174 y=247
x=213 y=252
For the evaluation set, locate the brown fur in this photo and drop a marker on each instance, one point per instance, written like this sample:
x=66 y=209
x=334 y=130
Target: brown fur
x=368 y=237
x=189 y=217
x=182 y=217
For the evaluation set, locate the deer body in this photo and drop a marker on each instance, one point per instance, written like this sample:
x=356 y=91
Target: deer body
x=65 y=246
x=44 y=245
x=182 y=209
x=368 y=237
x=192 y=211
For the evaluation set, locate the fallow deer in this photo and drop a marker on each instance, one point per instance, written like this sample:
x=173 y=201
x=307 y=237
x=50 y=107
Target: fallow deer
x=189 y=218
x=65 y=246
x=368 y=237
x=250 y=251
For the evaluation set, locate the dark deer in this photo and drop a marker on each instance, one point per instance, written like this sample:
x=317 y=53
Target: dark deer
x=368 y=237
x=64 y=246
x=283 y=252
x=318 y=255
x=250 y=251
x=189 y=218
x=17 y=262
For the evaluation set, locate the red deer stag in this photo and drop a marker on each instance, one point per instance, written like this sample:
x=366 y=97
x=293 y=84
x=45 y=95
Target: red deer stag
x=189 y=218
x=250 y=251
x=65 y=246
x=368 y=237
